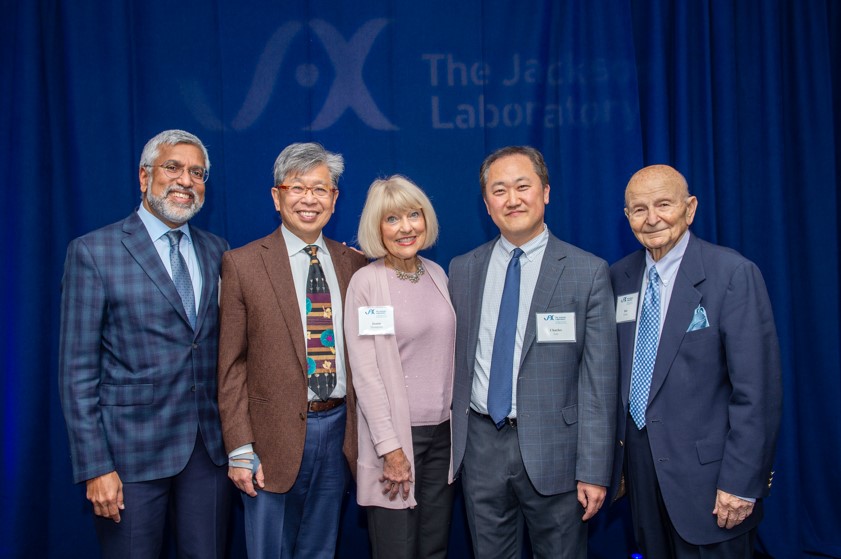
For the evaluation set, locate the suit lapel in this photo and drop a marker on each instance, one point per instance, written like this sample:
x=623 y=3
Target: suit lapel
x=341 y=264
x=548 y=280
x=477 y=271
x=685 y=299
x=276 y=261
x=630 y=282
x=208 y=281
x=142 y=249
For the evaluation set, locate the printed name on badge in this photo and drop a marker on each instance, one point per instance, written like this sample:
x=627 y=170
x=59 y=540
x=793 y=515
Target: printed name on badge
x=626 y=307
x=376 y=321
x=555 y=327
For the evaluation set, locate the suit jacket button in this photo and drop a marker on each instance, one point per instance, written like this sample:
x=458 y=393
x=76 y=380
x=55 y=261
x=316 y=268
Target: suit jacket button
x=621 y=443
x=195 y=346
x=193 y=388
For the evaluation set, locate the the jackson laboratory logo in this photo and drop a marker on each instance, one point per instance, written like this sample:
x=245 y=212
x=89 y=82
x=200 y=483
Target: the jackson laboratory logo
x=348 y=90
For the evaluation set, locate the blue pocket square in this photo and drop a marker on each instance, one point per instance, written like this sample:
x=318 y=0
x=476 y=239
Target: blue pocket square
x=699 y=321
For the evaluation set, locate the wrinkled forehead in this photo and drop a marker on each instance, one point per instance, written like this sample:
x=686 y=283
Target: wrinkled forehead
x=656 y=185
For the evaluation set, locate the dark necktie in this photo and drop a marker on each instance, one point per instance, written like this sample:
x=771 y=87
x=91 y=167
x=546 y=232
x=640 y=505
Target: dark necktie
x=502 y=360
x=181 y=276
x=321 y=341
x=646 y=349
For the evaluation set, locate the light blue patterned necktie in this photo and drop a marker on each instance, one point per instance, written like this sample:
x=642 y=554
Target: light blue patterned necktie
x=646 y=351
x=500 y=383
x=181 y=276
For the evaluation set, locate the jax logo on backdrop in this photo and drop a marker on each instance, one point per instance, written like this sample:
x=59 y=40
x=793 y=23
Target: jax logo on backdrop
x=348 y=92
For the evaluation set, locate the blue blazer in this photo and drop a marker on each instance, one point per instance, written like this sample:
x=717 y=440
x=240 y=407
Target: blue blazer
x=136 y=382
x=715 y=400
x=566 y=392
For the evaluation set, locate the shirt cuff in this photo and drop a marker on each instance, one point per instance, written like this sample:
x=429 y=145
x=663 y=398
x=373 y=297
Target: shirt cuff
x=241 y=450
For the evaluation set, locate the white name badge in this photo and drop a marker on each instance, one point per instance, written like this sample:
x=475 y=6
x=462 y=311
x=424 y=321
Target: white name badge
x=374 y=321
x=626 y=307
x=555 y=327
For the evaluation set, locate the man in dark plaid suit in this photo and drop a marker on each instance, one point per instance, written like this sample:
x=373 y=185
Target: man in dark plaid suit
x=137 y=366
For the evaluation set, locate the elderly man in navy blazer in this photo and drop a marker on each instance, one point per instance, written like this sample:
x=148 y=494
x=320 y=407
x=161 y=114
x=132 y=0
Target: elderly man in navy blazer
x=137 y=364
x=534 y=397
x=701 y=390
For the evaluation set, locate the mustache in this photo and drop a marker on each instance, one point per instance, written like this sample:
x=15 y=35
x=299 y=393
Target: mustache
x=174 y=188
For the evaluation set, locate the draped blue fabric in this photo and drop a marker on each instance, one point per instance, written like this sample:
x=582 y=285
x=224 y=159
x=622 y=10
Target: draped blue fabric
x=739 y=96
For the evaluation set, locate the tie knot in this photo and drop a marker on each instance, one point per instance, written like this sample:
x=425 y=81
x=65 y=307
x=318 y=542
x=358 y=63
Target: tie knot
x=653 y=276
x=517 y=253
x=312 y=250
x=174 y=238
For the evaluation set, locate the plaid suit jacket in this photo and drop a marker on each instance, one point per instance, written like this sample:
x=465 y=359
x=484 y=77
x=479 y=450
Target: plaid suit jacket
x=566 y=392
x=136 y=382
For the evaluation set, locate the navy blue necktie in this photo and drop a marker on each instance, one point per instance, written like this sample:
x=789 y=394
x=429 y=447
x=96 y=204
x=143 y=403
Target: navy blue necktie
x=502 y=360
x=646 y=350
x=181 y=276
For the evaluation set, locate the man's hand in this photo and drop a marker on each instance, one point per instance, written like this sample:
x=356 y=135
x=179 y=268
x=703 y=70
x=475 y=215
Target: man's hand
x=397 y=474
x=591 y=498
x=106 y=494
x=353 y=248
x=731 y=510
x=244 y=479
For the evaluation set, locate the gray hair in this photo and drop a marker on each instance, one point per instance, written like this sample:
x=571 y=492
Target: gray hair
x=170 y=138
x=299 y=158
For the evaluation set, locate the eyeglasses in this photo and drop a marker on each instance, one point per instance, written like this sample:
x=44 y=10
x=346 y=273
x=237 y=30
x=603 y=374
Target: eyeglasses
x=174 y=171
x=299 y=190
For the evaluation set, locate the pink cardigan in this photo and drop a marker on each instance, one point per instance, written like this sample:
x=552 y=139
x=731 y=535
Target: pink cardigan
x=382 y=401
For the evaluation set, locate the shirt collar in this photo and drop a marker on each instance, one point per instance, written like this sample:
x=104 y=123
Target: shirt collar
x=158 y=228
x=294 y=244
x=531 y=248
x=667 y=266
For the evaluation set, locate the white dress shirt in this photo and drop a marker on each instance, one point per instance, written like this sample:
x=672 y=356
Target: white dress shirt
x=157 y=230
x=300 y=263
x=530 y=263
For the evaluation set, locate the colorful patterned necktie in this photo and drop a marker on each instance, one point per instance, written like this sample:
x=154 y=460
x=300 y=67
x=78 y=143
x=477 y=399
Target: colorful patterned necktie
x=321 y=341
x=181 y=276
x=502 y=360
x=646 y=351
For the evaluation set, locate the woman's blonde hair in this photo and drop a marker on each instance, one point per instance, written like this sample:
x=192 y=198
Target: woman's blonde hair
x=390 y=195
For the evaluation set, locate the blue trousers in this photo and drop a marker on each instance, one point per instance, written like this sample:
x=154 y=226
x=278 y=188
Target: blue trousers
x=303 y=522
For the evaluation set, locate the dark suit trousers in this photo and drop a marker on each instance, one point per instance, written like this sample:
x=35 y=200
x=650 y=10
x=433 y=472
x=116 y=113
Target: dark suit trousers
x=424 y=531
x=498 y=496
x=653 y=529
x=198 y=500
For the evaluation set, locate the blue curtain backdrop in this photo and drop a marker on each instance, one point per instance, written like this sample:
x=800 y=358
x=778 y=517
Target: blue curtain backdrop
x=742 y=97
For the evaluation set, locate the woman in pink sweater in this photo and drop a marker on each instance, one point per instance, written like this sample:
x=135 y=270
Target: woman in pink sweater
x=400 y=335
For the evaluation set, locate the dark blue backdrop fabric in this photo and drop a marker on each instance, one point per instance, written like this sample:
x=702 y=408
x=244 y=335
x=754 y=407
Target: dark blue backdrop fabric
x=739 y=96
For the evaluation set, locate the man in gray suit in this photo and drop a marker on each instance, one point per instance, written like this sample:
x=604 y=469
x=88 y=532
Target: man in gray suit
x=536 y=374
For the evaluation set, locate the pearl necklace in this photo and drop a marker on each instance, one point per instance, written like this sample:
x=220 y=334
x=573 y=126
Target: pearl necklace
x=412 y=277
